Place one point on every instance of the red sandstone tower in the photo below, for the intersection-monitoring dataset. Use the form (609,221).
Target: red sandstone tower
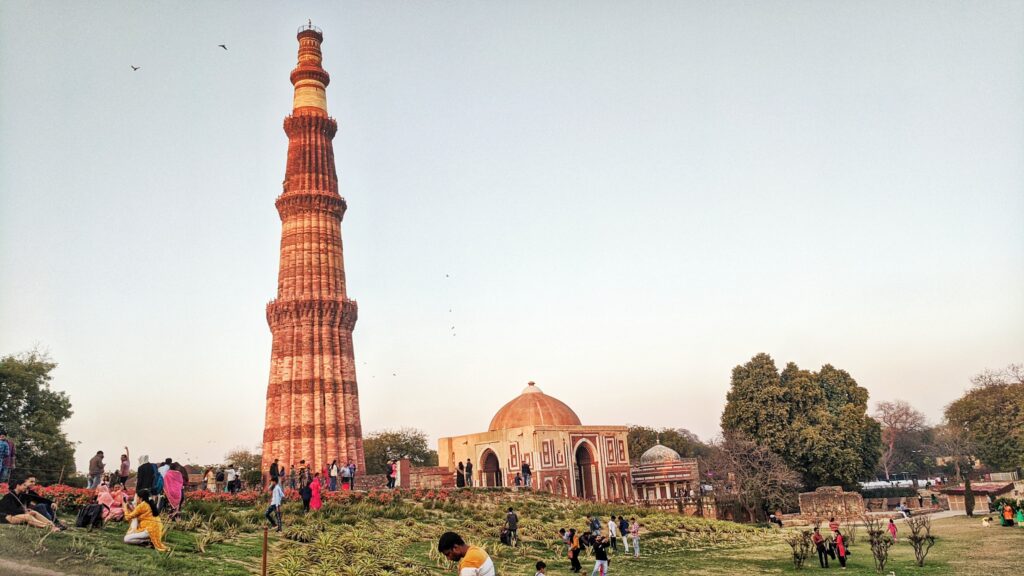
(312,397)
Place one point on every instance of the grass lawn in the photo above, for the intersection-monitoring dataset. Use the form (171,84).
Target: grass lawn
(371,537)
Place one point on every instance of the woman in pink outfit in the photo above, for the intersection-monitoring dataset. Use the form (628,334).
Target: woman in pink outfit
(116,513)
(315,486)
(892,530)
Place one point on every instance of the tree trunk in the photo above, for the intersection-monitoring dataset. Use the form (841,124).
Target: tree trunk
(968,498)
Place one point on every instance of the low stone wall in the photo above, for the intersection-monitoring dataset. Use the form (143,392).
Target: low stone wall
(371,481)
(830,501)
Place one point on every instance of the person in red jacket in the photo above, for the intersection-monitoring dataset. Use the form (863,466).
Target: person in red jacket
(840,549)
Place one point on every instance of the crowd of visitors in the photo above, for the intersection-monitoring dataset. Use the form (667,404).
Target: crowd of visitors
(834,547)
(576,542)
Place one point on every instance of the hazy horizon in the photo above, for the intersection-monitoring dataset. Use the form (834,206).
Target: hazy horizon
(620,202)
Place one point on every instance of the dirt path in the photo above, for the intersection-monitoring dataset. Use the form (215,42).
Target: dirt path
(15,569)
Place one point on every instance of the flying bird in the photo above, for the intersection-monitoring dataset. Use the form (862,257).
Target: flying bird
(135,68)
(222,46)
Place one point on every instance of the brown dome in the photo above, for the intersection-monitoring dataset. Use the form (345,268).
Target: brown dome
(534,408)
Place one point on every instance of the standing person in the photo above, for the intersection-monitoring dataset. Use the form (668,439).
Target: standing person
(600,546)
(840,549)
(634,532)
(333,471)
(612,526)
(390,469)
(819,545)
(352,475)
(211,480)
(292,477)
(833,525)
(315,503)
(460,476)
(512,523)
(892,530)
(232,476)
(306,493)
(4,454)
(1020,517)
(125,469)
(595,525)
(275,470)
(473,561)
(95,470)
(920,500)
(527,474)
(1007,515)
(574,551)
(276,498)
(346,475)
(517,481)
(303,473)
(165,466)
(624,532)
(469,473)
(565,539)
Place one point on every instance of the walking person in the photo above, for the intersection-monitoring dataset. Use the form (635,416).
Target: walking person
(527,474)
(612,529)
(819,545)
(95,471)
(600,545)
(469,473)
(315,486)
(624,532)
(276,498)
(634,532)
(473,561)
(512,524)
(574,551)
(840,549)
(892,530)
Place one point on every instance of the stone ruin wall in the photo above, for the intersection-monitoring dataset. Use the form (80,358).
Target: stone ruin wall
(830,501)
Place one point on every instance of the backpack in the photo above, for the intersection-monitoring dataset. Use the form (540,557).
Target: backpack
(220,476)
(90,517)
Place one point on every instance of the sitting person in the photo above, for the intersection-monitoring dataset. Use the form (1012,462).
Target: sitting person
(145,526)
(15,506)
(44,506)
(116,512)
(986,522)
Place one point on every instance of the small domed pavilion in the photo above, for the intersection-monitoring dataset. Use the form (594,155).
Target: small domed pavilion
(565,457)
(663,475)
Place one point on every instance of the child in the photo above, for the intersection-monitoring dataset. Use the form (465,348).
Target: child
(542,568)
(892,530)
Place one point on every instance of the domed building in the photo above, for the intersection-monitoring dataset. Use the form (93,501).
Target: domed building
(664,479)
(564,456)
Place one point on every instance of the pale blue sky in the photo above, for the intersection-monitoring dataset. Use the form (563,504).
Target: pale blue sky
(630,198)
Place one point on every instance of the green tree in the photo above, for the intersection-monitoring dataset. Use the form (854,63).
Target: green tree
(816,421)
(384,445)
(686,443)
(32,415)
(992,414)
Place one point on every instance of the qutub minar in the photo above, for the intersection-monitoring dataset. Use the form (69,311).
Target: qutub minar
(312,397)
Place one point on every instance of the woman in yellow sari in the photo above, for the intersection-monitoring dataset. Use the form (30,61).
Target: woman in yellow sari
(145,526)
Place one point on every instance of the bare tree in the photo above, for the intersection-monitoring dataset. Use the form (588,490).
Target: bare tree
(898,419)
(758,477)
(954,444)
(880,540)
(920,536)
(1012,374)
(801,544)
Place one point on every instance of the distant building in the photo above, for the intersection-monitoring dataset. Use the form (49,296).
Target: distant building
(665,480)
(565,457)
(984,494)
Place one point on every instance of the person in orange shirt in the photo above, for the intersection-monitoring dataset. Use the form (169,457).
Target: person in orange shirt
(1008,515)
(473,561)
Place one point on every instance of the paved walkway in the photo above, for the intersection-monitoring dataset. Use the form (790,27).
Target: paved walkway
(15,569)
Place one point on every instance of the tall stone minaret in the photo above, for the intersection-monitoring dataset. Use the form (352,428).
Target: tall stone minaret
(312,397)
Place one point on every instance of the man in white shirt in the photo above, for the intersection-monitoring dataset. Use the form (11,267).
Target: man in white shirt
(164,467)
(612,529)
(232,477)
(276,498)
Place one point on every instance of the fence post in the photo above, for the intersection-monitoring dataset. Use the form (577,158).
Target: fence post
(264,572)
(61,479)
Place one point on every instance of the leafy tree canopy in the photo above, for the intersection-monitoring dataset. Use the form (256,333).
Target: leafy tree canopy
(32,415)
(384,445)
(686,443)
(816,421)
(992,414)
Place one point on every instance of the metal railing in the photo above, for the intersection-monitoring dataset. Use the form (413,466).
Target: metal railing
(309,26)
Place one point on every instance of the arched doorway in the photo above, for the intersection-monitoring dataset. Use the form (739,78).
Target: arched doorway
(490,469)
(561,487)
(549,487)
(625,488)
(611,488)
(585,479)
